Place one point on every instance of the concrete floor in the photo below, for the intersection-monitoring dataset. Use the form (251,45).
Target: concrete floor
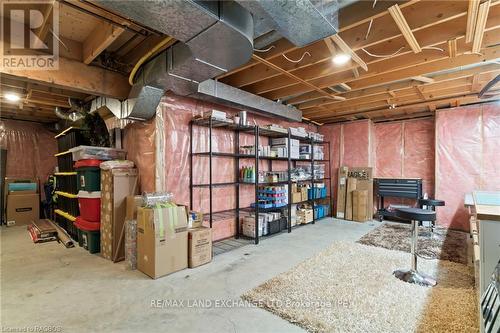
(70,289)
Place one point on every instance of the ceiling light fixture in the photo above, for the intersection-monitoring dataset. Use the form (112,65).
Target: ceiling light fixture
(341,59)
(11,97)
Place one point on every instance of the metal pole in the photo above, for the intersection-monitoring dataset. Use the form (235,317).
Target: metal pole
(237,180)
(312,183)
(191,166)
(414,235)
(289,219)
(210,166)
(256,132)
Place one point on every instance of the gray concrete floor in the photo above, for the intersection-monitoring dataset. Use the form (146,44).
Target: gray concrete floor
(74,291)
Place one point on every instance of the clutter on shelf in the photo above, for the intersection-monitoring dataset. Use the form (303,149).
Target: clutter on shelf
(272,196)
(269,223)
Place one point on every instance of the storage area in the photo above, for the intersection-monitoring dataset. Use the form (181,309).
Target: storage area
(250,166)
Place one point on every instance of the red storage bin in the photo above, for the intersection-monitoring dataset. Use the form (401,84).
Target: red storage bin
(90,205)
(83,224)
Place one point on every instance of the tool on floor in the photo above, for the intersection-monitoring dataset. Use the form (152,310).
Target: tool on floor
(415,215)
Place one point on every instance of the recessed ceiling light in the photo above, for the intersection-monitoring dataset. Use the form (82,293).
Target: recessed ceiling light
(341,59)
(11,97)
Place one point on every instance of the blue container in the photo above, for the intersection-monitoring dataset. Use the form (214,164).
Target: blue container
(22,187)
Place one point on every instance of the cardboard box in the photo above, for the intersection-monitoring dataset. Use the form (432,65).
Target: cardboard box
(199,246)
(304,216)
(351,186)
(364,181)
(359,205)
(133,203)
(296,197)
(303,193)
(162,244)
(23,208)
(195,219)
(341,192)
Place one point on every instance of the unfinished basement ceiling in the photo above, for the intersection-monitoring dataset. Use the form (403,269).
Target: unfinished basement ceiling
(398,82)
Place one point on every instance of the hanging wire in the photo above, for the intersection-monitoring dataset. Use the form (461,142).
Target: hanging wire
(297,61)
(369,29)
(432,48)
(383,55)
(265,50)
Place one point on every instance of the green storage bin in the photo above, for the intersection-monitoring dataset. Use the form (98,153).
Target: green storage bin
(80,237)
(91,241)
(89,175)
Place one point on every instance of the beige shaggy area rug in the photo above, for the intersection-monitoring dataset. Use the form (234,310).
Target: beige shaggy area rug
(349,287)
(444,244)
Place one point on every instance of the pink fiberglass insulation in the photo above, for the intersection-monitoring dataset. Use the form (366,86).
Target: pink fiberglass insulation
(490,176)
(419,156)
(176,113)
(139,142)
(30,149)
(458,167)
(356,144)
(388,149)
(332,134)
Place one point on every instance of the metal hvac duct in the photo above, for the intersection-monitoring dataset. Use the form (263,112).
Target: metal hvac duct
(214,37)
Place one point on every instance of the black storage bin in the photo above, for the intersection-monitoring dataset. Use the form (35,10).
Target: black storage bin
(68,205)
(65,162)
(273,227)
(67,183)
(70,139)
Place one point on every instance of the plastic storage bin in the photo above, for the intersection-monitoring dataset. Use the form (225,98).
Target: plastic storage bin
(89,175)
(90,234)
(90,205)
(97,153)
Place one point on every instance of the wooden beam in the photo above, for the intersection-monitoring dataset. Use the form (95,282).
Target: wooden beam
(421,94)
(471,19)
(363,11)
(423,79)
(452,48)
(482,17)
(355,72)
(345,48)
(296,78)
(76,76)
(99,39)
(43,29)
(405,29)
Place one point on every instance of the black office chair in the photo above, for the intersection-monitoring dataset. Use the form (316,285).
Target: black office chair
(415,215)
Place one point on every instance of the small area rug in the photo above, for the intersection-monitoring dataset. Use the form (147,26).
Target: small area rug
(349,287)
(444,244)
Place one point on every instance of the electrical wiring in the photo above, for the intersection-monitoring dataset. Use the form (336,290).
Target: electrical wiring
(265,50)
(146,57)
(383,55)
(432,48)
(297,61)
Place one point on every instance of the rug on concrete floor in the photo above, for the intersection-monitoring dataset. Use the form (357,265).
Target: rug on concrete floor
(444,244)
(349,287)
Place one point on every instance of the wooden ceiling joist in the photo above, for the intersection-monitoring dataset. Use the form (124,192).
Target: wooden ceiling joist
(452,48)
(271,65)
(482,17)
(471,19)
(405,29)
(422,78)
(101,37)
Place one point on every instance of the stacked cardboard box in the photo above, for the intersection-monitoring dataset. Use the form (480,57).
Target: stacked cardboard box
(304,215)
(299,193)
(355,194)
(199,246)
(162,242)
(22,205)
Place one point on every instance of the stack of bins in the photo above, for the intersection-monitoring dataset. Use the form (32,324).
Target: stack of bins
(66,180)
(89,200)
